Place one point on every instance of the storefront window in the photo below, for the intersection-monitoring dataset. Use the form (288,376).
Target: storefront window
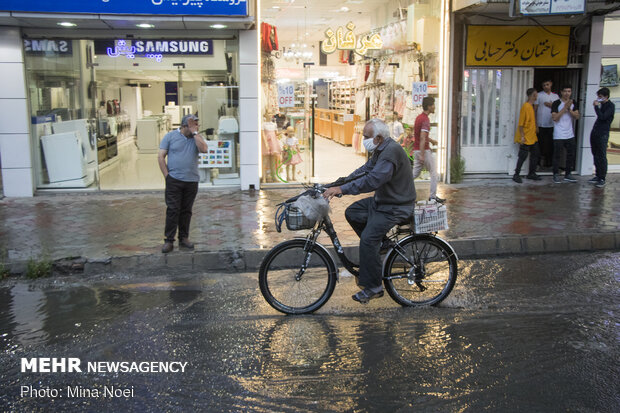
(609,79)
(62,117)
(377,64)
(100,109)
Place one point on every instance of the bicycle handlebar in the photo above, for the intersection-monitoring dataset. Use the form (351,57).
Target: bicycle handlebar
(318,189)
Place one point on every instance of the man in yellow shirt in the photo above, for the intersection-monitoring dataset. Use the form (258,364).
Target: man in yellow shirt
(527,139)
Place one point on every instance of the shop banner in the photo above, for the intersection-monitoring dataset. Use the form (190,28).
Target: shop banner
(286,96)
(517,45)
(419,91)
(175,7)
(540,7)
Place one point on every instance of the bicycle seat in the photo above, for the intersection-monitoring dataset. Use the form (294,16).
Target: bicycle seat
(405,226)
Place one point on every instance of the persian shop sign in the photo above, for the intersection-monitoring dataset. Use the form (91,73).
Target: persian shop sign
(517,45)
(175,7)
(542,7)
(340,40)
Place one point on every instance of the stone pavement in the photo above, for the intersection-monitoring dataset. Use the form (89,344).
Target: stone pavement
(98,232)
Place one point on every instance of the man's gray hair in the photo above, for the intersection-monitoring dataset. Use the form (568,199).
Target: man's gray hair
(379,128)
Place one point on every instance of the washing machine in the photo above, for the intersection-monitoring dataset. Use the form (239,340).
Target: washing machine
(65,160)
(83,128)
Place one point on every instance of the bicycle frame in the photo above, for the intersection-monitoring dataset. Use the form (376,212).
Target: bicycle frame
(327,226)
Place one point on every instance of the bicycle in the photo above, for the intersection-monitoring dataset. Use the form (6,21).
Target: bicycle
(298,276)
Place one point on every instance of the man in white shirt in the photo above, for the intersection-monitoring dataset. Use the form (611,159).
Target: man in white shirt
(397,128)
(563,112)
(544,122)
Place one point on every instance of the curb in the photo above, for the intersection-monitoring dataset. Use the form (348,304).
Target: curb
(250,260)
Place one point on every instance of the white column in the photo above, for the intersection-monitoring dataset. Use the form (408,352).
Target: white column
(15,152)
(592,85)
(249,136)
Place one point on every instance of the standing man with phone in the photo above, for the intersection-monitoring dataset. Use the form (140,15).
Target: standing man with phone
(599,137)
(181,146)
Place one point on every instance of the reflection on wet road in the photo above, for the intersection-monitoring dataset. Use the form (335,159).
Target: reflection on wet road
(517,334)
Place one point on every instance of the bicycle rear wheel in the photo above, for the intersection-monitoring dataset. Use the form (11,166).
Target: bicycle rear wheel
(295,279)
(420,270)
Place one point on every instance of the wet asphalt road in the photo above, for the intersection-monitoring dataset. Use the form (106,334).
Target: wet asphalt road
(525,334)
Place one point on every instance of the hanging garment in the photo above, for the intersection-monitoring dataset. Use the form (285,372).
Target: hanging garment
(269,37)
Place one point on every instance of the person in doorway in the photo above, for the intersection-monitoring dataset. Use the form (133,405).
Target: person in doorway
(525,136)
(181,146)
(422,154)
(599,137)
(563,112)
(397,127)
(388,174)
(542,107)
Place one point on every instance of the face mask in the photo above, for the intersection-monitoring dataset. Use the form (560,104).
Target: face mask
(369,144)
(600,99)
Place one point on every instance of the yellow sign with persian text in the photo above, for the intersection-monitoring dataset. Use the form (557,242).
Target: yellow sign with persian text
(517,45)
(341,40)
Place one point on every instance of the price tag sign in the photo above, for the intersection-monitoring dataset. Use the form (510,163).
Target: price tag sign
(419,91)
(286,96)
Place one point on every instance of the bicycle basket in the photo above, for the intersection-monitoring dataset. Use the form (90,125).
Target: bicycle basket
(294,217)
(430,218)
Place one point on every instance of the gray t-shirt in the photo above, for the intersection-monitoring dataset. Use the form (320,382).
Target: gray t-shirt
(182,156)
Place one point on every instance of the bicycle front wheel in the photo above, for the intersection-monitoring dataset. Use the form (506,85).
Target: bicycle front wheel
(420,270)
(295,278)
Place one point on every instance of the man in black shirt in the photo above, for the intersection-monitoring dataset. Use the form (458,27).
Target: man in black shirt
(599,136)
(388,173)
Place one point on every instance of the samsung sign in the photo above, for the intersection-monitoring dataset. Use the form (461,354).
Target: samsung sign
(175,7)
(48,46)
(140,48)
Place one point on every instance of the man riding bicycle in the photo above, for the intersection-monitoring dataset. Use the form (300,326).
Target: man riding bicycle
(388,173)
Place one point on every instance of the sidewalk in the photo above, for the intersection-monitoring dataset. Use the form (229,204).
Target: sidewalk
(233,230)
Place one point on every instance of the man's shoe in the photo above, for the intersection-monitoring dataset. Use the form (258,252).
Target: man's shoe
(366,295)
(168,246)
(594,180)
(184,243)
(600,183)
(517,179)
(437,199)
(534,177)
(570,178)
(556,179)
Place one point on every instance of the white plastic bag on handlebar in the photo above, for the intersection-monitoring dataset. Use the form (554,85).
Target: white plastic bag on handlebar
(313,208)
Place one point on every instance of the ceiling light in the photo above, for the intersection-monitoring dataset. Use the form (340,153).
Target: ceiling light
(276,7)
(145,26)
(67,24)
(218,26)
(344,8)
